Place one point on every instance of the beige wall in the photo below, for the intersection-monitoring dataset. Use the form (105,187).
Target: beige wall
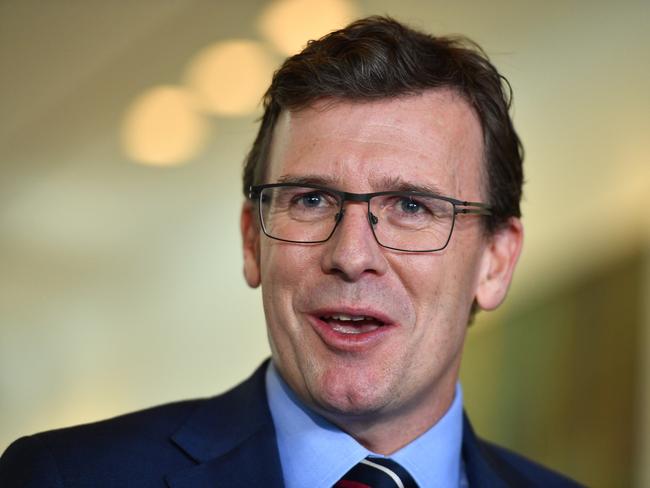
(120,283)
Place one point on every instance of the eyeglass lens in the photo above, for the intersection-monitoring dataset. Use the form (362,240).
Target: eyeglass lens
(401,220)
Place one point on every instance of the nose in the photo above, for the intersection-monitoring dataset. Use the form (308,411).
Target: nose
(353,251)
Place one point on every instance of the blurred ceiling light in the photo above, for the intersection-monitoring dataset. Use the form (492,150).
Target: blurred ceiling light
(289,24)
(230,77)
(162,127)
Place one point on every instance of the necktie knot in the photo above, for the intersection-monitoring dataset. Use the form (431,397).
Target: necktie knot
(374,472)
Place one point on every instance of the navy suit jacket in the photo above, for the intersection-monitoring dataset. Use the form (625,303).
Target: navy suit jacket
(225,441)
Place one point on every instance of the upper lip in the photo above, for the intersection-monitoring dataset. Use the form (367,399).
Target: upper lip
(354,313)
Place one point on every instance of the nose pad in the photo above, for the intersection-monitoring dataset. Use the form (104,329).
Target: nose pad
(354,252)
(371,218)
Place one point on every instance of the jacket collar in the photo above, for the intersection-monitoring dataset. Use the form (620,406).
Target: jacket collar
(232,439)
(482,466)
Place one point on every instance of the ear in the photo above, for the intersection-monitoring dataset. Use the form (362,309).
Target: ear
(498,264)
(250,233)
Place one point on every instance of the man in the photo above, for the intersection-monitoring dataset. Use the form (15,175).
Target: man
(381,212)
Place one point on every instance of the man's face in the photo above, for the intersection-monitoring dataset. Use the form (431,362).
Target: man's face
(416,304)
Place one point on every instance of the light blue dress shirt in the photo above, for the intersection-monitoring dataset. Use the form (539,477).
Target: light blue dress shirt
(315,453)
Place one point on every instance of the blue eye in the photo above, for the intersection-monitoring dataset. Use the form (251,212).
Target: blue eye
(408,205)
(311,199)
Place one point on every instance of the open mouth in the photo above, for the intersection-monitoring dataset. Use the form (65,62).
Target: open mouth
(352,324)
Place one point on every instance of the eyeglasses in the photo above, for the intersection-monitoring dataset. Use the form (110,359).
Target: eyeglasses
(407,221)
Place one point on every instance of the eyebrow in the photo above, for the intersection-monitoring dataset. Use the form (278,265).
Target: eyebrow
(309,180)
(386,183)
(396,183)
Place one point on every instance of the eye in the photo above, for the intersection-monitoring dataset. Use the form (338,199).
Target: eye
(413,207)
(410,206)
(311,200)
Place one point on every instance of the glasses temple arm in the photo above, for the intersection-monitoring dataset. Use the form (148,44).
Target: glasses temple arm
(473,208)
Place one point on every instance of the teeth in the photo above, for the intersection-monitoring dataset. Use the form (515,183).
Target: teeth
(350,329)
(352,324)
(353,318)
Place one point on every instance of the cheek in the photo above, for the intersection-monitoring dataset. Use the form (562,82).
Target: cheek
(441,288)
(284,266)
(276,279)
(284,273)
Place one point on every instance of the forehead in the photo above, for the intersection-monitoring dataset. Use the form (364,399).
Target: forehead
(433,138)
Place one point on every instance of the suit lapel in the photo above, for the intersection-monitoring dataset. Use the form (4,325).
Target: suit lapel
(232,439)
(482,467)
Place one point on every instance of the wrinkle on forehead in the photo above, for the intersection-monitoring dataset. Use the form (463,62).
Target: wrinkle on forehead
(377,183)
(438,134)
(391,110)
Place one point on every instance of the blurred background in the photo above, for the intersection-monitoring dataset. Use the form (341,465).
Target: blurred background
(122,135)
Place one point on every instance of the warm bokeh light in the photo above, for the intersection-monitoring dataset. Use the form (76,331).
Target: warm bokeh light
(162,127)
(230,77)
(289,24)
(121,285)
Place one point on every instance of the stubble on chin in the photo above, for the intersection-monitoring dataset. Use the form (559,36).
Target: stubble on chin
(345,390)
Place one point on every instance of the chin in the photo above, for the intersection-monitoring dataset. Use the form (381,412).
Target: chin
(352,394)
(339,407)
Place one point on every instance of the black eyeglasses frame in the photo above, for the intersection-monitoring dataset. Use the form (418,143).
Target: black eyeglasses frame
(460,207)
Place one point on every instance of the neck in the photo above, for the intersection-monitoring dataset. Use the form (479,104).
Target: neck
(387,432)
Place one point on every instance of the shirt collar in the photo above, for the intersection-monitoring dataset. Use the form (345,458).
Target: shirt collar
(316,453)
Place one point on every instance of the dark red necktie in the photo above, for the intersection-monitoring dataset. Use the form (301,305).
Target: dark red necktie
(377,473)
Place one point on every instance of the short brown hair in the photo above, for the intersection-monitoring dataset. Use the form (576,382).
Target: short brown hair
(377,58)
